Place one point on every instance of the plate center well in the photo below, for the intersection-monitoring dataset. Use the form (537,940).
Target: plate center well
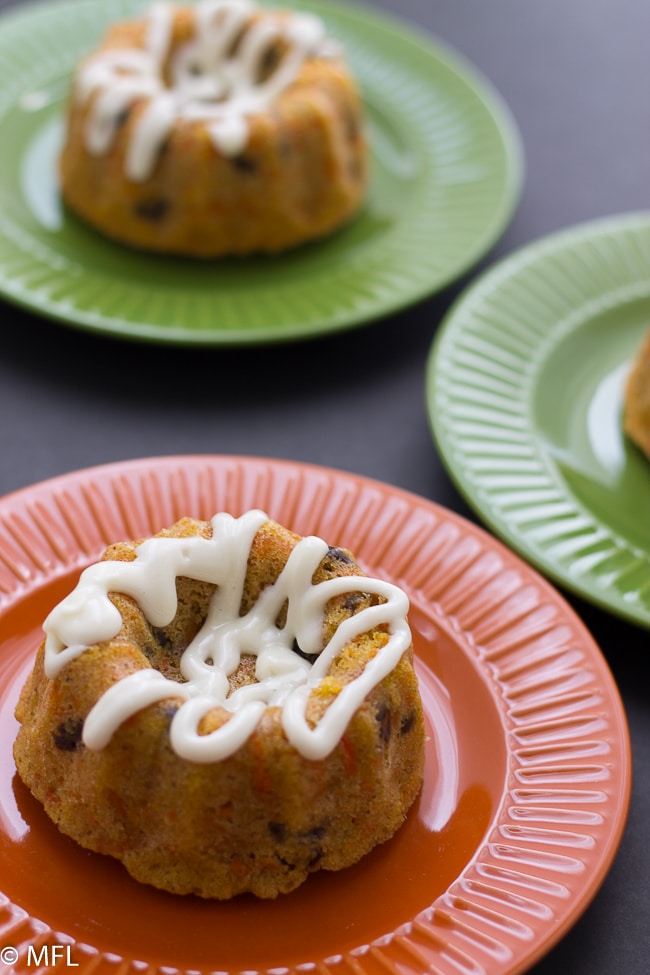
(98,904)
(578,412)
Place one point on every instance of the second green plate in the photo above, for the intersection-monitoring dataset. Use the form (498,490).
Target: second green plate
(525,390)
(446,174)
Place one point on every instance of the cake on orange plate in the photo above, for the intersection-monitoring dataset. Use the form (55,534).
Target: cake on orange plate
(225,707)
(217,129)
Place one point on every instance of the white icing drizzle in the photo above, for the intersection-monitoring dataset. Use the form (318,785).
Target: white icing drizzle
(283,678)
(207,83)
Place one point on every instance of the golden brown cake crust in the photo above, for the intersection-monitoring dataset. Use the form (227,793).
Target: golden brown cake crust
(636,416)
(302,174)
(260,820)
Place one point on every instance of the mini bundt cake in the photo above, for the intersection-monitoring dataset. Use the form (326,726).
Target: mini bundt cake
(636,411)
(225,707)
(216,129)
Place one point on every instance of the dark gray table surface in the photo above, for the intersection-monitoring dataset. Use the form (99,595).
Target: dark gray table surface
(576,75)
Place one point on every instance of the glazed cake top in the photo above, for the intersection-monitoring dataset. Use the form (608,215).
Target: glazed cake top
(217,78)
(283,677)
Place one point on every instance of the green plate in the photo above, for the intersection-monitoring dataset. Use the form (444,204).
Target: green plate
(446,175)
(525,390)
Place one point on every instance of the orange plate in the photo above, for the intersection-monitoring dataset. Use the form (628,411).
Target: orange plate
(528,773)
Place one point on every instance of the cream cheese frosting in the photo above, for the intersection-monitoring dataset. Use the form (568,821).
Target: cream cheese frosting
(209,82)
(283,677)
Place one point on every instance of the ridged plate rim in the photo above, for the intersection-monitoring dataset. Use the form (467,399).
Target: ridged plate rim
(552,288)
(555,833)
(457,180)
